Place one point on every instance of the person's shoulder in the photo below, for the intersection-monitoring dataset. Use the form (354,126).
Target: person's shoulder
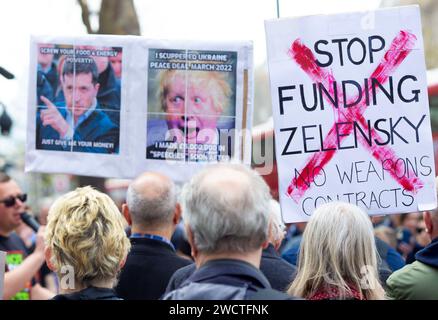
(276,263)
(404,274)
(99,121)
(13,242)
(270,294)
(182,262)
(89,293)
(157,129)
(414,277)
(179,276)
(100,115)
(185,271)
(221,291)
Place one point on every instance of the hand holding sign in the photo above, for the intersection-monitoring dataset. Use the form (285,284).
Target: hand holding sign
(52,117)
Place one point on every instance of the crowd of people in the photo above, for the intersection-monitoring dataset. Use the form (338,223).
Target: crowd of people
(221,237)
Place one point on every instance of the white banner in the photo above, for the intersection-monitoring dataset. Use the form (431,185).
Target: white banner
(351,112)
(115,106)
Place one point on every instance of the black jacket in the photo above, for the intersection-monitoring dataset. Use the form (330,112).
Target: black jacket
(278,272)
(90,293)
(148,268)
(226,279)
(429,255)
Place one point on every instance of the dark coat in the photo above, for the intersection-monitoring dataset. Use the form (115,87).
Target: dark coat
(90,293)
(226,279)
(148,268)
(278,272)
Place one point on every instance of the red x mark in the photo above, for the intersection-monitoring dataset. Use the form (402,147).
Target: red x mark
(400,47)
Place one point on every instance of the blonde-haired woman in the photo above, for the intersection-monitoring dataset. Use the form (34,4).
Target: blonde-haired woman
(338,256)
(86,244)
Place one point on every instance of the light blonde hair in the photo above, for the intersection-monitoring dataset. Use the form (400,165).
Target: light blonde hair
(338,251)
(215,83)
(85,231)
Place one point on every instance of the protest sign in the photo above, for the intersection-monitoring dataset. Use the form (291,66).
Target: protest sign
(81,81)
(351,112)
(199,105)
(114,106)
(77,107)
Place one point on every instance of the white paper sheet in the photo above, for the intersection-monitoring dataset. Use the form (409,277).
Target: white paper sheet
(351,112)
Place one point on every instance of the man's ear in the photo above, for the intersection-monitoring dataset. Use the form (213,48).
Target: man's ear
(48,257)
(265,244)
(177,214)
(270,236)
(428,222)
(270,231)
(191,240)
(126,214)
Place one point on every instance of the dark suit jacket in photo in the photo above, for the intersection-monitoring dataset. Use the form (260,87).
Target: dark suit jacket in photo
(97,134)
(148,268)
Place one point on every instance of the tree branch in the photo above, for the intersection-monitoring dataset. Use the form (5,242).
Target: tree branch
(86,15)
(118,17)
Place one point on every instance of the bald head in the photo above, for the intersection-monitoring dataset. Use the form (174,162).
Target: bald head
(230,184)
(151,199)
(227,209)
(151,184)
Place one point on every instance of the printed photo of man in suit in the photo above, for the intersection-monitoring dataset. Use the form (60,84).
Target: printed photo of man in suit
(78,124)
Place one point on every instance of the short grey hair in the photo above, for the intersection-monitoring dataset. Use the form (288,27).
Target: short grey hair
(226,206)
(152,209)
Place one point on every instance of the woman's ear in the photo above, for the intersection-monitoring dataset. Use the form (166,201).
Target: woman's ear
(48,257)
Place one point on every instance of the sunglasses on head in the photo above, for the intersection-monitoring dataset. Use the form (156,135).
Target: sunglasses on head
(10,201)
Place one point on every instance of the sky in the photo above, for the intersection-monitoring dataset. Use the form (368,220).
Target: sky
(163,19)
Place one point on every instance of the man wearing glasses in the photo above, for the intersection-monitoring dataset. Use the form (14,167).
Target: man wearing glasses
(21,267)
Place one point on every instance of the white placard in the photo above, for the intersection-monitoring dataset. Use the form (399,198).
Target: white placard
(115,106)
(351,112)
